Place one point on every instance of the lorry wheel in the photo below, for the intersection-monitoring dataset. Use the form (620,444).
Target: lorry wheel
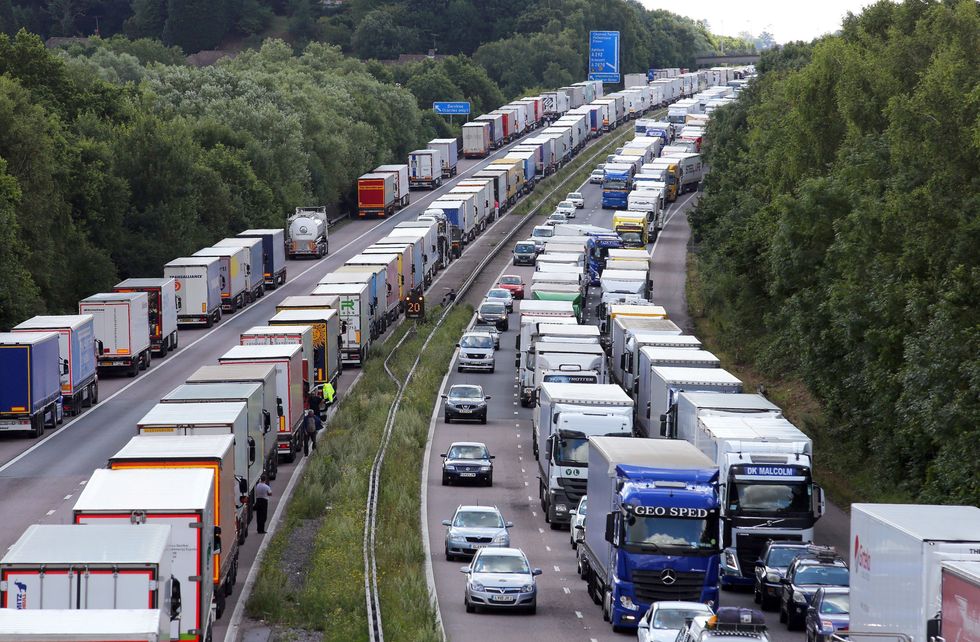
(134,369)
(219,598)
(207,636)
(606,604)
(94,393)
(242,534)
(37,426)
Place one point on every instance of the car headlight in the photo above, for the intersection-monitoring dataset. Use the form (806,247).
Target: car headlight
(772,578)
(453,537)
(476,586)
(501,538)
(799,598)
(527,588)
(485,469)
(627,603)
(450,467)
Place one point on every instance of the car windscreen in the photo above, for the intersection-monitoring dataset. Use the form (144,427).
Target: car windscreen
(498,294)
(478,519)
(524,248)
(822,575)
(514,280)
(574,195)
(465,392)
(493,308)
(543,232)
(781,557)
(676,618)
(476,341)
(467,452)
(500,564)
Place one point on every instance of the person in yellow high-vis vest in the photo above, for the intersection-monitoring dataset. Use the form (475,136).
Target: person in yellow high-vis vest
(328,393)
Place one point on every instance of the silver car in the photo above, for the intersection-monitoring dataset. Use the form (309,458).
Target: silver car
(500,578)
(567,208)
(503,296)
(576,535)
(473,528)
(664,620)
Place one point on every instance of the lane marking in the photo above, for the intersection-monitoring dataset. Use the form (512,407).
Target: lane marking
(67,497)
(541,530)
(51,512)
(533,514)
(578,614)
(557,570)
(547,548)
(567,590)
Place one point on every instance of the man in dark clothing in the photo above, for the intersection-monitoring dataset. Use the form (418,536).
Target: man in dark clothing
(309,431)
(315,401)
(262,494)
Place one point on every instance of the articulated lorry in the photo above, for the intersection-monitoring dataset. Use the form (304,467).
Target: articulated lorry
(897,556)
(354,309)
(617,182)
(568,414)
(268,335)
(198,286)
(658,387)
(653,526)
(448,149)
(273,255)
(162,314)
(766,468)
(425,168)
(255,266)
(182,499)
(77,350)
(307,231)
(326,363)
(625,344)
(96,625)
(551,359)
(122,329)
(234,275)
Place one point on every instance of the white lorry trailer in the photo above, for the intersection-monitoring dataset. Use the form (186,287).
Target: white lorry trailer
(552,359)
(182,499)
(355,319)
(96,625)
(162,300)
(198,283)
(234,284)
(122,329)
(254,268)
(897,556)
(567,415)
(625,347)
(659,385)
(425,168)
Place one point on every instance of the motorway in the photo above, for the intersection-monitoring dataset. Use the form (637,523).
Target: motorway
(565,611)
(41,479)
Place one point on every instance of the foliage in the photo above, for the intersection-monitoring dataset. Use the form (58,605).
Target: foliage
(839,233)
(112,168)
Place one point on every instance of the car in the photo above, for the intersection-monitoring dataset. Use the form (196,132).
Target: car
(493,312)
(465,401)
(502,295)
(473,529)
(596,176)
(500,578)
(539,234)
(576,535)
(829,613)
(490,329)
(526,252)
(770,569)
(467,461)
(567,208)
(728,624)
(820,566)
(476,352)
(513,283)
(556,218)
(576,199)
(664,620)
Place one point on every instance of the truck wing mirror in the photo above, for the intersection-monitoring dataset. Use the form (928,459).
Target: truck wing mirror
(266,421)
(610,527)
(251,450)
(242,488)
(174,598)
(443,455)
(217,540)
(622,361)
(446,522)
(279,409)
(663,425)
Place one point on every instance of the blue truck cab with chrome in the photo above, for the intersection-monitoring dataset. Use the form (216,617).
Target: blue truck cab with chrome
(617,181)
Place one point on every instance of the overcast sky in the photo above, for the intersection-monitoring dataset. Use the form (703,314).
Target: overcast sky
(786,20)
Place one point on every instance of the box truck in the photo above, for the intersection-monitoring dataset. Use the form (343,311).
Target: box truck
(326,336)
(234,286)
(960,601)
(288,360)
(77,352)
(355,319)
(377,194)
(498,136)
(658,386)
(94,567)
(122,329)
(267,335)
(273,255)
(568,414)
(897,557)
(639,490)
(215,454)
(625,348)
(425,168)
(400,172)
(254,269)
(162,301)
(476,139)
(198,287)
(97,625)
(182,499)
(448,149)
(263,374)
(375,278)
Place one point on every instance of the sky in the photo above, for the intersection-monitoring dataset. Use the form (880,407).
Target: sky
(786,20)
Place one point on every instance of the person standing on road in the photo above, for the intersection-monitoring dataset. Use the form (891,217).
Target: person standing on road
(315,401)
(262,494)
(328,393)
(309,431)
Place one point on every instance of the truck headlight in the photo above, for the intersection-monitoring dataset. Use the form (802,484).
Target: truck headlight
(627,603)
(772,578)
(799,598)
(561,508)
(731,560)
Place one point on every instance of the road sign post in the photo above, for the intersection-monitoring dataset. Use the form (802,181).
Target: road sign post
(604,56)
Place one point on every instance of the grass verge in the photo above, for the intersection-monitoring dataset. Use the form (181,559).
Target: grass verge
(835,468)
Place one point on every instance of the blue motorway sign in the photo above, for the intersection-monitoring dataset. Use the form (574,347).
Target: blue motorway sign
(451,108)
(604,56)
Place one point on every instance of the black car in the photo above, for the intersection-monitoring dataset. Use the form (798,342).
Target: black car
(495,313)
(467,461)
(770,569)
(466,401)
(810,571)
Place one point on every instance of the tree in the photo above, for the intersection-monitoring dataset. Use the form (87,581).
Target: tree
(148,19)
(194,25)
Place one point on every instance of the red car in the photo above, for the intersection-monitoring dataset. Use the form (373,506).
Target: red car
(513,284)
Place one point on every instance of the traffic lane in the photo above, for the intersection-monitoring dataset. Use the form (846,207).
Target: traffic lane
(669,263)
(565,611)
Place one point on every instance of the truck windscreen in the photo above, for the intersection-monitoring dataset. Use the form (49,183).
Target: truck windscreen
(662,533)
(615,184)
(769,498)
(572,451)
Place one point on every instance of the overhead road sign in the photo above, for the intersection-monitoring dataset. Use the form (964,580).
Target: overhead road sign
(451,108)
(604,56)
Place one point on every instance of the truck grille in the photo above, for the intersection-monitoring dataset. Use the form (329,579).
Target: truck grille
(668,584)
(749,547)
(574,488)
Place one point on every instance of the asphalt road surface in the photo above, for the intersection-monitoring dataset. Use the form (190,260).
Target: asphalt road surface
(40,479)
(565,612)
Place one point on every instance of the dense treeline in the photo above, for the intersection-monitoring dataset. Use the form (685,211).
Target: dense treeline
(839,239)
(113,162)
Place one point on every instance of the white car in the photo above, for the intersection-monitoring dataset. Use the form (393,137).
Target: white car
(556,218)
(576,199)
(567,208)
(596,176)
(576,535)
(664,620)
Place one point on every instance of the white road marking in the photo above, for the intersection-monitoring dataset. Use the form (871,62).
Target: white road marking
(51,512)
(526,484)
(547,548)
(533,514)
(67,497)
(522,470)
(557,570)
(578,614)
(567,590)
(529,498)
(519,446)
(83,483)
(541,530)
